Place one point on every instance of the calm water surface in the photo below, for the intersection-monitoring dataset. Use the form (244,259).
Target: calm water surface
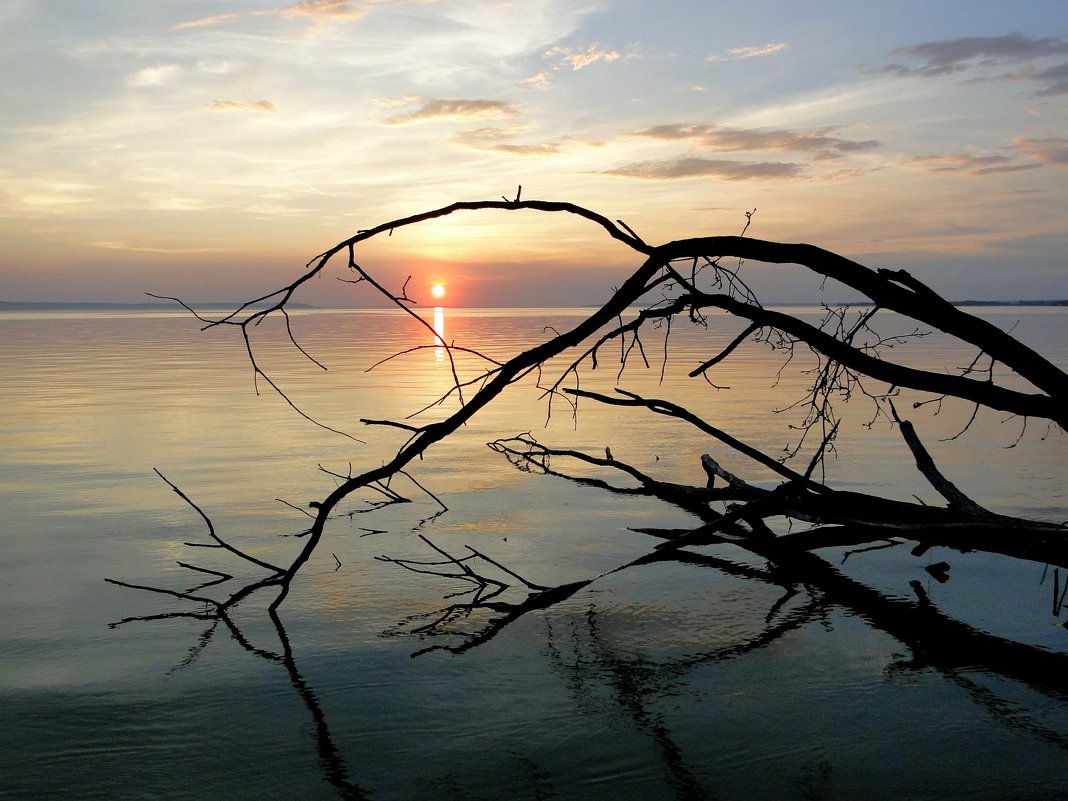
(670,680)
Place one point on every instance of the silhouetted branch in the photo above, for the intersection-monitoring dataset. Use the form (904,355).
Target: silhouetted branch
(211,529)
(686,278)
(785,526)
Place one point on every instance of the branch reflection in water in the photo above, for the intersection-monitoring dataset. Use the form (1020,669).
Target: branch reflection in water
(333,766)
(586,650)
(639,684)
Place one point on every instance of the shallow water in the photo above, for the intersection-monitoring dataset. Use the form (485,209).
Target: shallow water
(668,680)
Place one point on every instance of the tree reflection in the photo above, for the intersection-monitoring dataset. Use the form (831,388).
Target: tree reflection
(638,683)
(331,762)
(685,280)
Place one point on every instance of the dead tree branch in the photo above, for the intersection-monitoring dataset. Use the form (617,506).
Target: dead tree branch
(685,277)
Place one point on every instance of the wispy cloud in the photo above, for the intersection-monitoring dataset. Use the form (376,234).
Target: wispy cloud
(718,137)
(973,165)
(317,8)
(1054,80)
(539,80)
(490,134)
(579,59)
(542,149)
(727,170)
(155,76)
(455,110)
(243,105)
(741,53)
(567,58)
(108,244)
(495,140)
(47,200)
(1052,151)
(215,66)
(207,22)
(396,102)
(956,56)
(956,230)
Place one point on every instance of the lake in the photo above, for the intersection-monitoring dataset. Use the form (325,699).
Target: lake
(680,679)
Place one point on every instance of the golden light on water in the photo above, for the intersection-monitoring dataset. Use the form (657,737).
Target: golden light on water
(439,332)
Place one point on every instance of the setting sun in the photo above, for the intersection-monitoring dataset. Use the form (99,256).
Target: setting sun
(438,290)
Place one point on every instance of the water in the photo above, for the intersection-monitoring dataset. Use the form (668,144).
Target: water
(669,680)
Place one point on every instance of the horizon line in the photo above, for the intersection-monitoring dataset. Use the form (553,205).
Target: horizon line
(60,305)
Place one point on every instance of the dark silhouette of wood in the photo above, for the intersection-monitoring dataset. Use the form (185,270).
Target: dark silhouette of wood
(683,278)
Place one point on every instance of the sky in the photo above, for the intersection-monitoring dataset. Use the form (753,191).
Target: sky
(210,149)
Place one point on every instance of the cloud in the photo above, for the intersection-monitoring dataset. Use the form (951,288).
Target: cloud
(317,8)
(740,53)
(974,165)
(1054,78)
(539,80)
(395,102)
(564,57)
(243,105)
(42,194)
(579,59)
(154,76)
(321,10)
(107,244)
(719,137)
(957,230)
(205,22)
(545,149)
(954,56)
(699,168)
(490,134)
(45,200)
(215,66)
(455,110)
(493,140)
(1052,151)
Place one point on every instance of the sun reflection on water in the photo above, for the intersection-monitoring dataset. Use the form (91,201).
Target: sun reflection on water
(439,333)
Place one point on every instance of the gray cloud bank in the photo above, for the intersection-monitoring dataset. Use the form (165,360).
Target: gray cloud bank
(956,56)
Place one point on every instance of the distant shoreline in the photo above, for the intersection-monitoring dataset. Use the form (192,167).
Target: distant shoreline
(30,306)
(1010,303)
(36,305)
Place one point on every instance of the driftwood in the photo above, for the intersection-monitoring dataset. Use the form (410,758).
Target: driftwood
(685,278)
